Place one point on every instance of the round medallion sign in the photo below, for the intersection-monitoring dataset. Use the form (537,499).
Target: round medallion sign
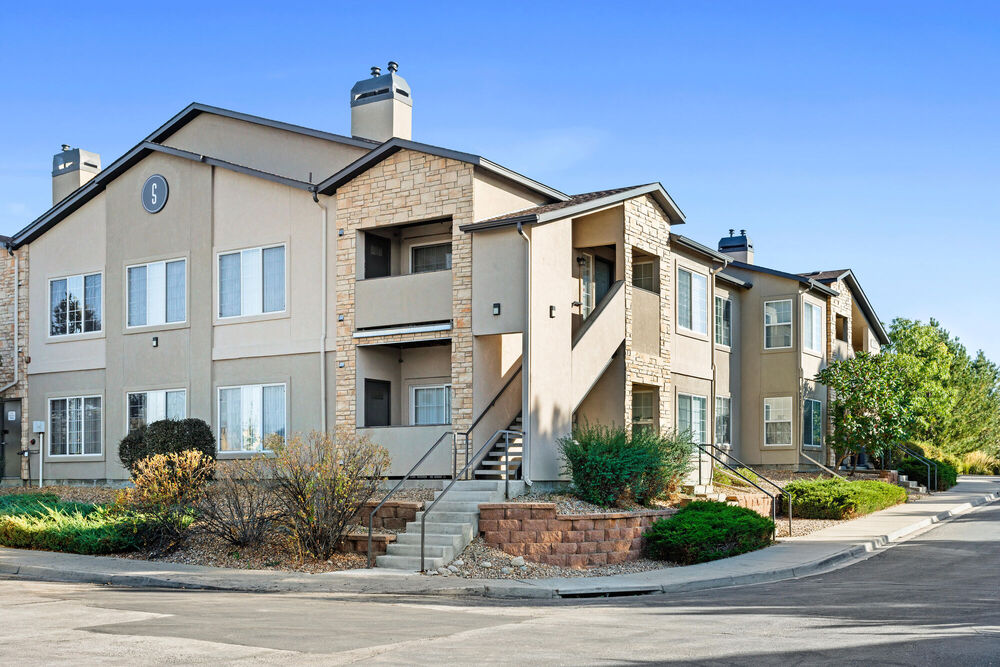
(154,193)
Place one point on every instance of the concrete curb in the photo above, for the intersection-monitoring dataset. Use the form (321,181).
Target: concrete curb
(526,589)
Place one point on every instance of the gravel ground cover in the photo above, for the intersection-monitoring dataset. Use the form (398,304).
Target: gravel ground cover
(569,504)
(74,493)
(409,495)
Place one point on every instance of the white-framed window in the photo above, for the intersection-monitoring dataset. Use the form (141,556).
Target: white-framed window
(644,274)
(430,404)
(252,281)
(812,423)
(723,321)
(249,414)
(723,420)
(643,409)
(75,426)
(145,407)
(75,305)
(777,324)
(587,285)
(156,293)
(812,327)
(778,421)
(430,257)
(692,301)
(691,415)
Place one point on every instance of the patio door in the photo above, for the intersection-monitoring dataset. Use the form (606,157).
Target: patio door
(377,403)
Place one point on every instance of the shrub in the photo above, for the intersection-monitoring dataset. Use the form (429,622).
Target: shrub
(166,436)
(40,521)
(727,478)
(704,531)
(947,474)
(610,466)
(239,506)
(931,451)
(835,498)
(321,482)
(980,463)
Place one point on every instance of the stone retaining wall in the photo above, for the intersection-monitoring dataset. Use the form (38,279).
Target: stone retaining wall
(392,516)
(758,503)
(535,531)
(357,543)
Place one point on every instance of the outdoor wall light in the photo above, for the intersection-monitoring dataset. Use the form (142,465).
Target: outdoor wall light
(552,311)
(340,232)
(156,341)
(496,308)
(340,318)
(341,364)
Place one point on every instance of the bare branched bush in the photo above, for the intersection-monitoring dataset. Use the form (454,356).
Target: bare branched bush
(240,506)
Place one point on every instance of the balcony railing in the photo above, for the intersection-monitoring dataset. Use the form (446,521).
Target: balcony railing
(407,299)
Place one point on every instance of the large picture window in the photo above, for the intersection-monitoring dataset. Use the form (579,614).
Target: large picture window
(75,426)
(436,257)
(75,305)
(812,423)
(157,293)
(252,282)
(692,301)
(146,407)
(812,327)
(691,416)
(430,405)
(723,420)
(778,421)
(777,324)
(723,321)
(249,414)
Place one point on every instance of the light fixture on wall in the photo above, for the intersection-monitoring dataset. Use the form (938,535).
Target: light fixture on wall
(340,232)
(552,311)
(496,308)
(156,341)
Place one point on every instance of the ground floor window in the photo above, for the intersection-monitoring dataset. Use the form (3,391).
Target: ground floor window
(691,416)
(723,420)
(643,409)
(778,421)
(146,407)
(812,423)
(75,426)
(430,404)
(249,414)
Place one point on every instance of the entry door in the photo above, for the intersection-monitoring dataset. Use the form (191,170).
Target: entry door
(376,256)
(604,272)
(377,403)
(11,438)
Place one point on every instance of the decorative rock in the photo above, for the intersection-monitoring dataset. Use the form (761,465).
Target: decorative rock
(505,570)
(517,561)
(486,563)
(452,568)
(443,570)
(458,563)
(524,568)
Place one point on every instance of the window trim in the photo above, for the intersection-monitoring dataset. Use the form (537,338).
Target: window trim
(812,416)
(96,456)
(413,403)
(130,392)
(690,331)
(704,412)
(179,324)
(652,262)
(806,305)
(791,422)
(223,453)
(727,301)
(790,324)
(82,335)
(652,421)
(414,246)
(271,314)
(715,419)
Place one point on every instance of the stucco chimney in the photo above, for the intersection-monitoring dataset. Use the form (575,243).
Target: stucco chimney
(739,247)
(71,168)
(381,106)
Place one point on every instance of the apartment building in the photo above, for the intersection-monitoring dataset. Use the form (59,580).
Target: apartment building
(270,278)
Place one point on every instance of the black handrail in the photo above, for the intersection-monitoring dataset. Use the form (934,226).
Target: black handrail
(774,500)
(759,476)
(371,517)
(423,519)
(475,422)
(926,461)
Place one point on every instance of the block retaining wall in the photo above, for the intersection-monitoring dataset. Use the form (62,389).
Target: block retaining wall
(357,543)
(392,516)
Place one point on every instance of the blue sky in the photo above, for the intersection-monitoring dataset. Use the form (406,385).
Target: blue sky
(840,134)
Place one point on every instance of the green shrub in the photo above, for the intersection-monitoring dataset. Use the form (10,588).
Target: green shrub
(609,466)
(167,436)
(947,474)
(980,463)
(835,498)
(704,531)
(728,478)
(40,521)
(931,451)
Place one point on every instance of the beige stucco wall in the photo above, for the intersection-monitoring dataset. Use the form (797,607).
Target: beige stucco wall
(498,276)
(405,299)
(493,196)
(605,404)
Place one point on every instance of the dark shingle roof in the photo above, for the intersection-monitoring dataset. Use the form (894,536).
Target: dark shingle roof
(825,276)
(555,206)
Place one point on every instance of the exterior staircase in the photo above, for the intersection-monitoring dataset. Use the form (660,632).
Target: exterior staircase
(452,524)
(911,485)
(494,466)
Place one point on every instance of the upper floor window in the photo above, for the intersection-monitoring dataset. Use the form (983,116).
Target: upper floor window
(157,293)
(146,407)
(434,257)
(723,321)
(692,301)
(723,420)
(249,414)
(777,324)
(812,327)
(430,404)
(644,275)
(812,423)
(75,426)
(778,421)
(75,305)
(842,328)
(252,281)
(691,416)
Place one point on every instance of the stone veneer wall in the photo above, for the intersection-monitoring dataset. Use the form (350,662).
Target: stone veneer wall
(836,305)
(8,354)
(535,531)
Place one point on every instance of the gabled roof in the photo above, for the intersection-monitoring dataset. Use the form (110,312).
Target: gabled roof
(579,205)
(847,275)
(394,145)
(809,282)
(704,250)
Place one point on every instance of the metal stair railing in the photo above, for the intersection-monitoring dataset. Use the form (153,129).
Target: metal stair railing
(832,472)
(507,433)
(781,490)
(475,422)
(371,517)
(925,461)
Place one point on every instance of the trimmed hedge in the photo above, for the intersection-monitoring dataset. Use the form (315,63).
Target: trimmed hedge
(41,521)
(167,436)
(835,498)
(947,474)
(704,530)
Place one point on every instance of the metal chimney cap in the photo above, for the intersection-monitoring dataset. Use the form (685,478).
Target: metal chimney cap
(66,147)
(393,66)
(376,70)
(732,232)
(388,86)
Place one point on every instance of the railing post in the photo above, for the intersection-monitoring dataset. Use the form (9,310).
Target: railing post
(506,465)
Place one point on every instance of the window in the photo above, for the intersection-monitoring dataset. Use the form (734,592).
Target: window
(249,414)
(75,426)
(691,416)
(252,282)
(435,257)
(812,423)
(157,293)
(777,324)
(812,327)
(842,328)
(723,420)
(692,307)
(430,405)
(778,421)
(643,409)
(146,407)
(723,321)
(644,275)
(75,305)
(586,284)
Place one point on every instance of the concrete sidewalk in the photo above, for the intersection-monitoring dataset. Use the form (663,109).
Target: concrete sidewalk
(796,557)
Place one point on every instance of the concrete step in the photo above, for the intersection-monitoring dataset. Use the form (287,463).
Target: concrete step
(697,489)
(430,550)
(903,478)
(454,541)
(449,517)
(468,496)
(492,473)
(474,485)
(411,563)
(488,464)
(451,505)
(441,528)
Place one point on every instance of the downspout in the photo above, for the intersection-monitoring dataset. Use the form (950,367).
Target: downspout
(17,292)
(526,361)
(711,346)
(323,310)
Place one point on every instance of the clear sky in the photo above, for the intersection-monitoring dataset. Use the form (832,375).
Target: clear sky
(840,134)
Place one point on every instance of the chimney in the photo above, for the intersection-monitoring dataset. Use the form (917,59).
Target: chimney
(381,106)
(71,168)
(739,247)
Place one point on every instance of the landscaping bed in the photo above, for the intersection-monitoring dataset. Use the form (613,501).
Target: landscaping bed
(834,498)
(566,503)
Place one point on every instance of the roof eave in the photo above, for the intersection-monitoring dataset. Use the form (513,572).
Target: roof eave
(812,284)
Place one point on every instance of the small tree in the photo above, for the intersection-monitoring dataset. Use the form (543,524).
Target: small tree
(871,409)
(167,436)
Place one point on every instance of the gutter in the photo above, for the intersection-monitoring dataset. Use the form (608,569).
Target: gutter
(324,221)
(526,363)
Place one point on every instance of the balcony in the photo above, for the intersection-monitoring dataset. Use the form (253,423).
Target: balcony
(412,298)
